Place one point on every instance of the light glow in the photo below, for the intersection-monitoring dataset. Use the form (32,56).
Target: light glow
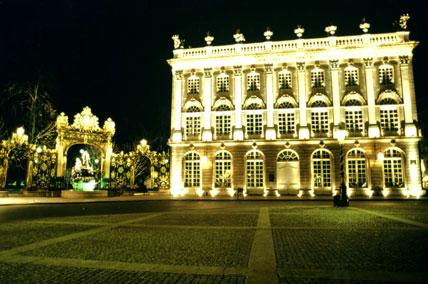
(199,192)
(369,192)
(277,193)
(214,192)
(380,156)
(385,192)
(265,193)
(300,193)
(244,193)
(231,192)
(312,192)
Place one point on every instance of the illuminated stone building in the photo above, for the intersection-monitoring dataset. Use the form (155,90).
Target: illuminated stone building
(264,116)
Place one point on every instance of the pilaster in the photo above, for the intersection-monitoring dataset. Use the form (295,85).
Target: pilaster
(177,135)
(207,89)
(373,126)
(410,128)
(301,81)
(238,133)
(334,70)
(270,130)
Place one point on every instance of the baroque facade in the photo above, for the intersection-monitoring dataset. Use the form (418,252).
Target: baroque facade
(265,116)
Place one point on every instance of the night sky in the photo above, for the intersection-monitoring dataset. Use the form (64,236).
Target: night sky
(111,55)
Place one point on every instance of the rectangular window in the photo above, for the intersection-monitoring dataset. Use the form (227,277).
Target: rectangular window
(254,124)
(319,121)
(255,173)
(223,125)
(385,75)
(223,171)
(284,80)
(193,85)
(192,174)
(286,123)
(193,125)
(322,176)
(222,84)
(317,79)
(393,173)
(253,82)
(351,77)
(354,121)
(389,119)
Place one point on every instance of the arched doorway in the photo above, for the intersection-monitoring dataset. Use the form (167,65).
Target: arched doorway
(288,171)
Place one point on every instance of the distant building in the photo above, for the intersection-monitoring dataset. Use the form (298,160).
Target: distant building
(264,116)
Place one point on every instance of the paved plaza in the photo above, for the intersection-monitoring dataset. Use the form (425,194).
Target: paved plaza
(234,242)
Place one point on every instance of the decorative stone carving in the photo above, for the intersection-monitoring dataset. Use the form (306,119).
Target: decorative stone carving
(177,41)
(403,21)
(179,75)
(238,36)
(209,38)
(268,33)
(334,64)
(268,68)
(364,26)
(109,126)
(331,30)
(299,31)
(254,145)
(237,70)
(368,62)
(404,60)
(301,66)
(208,72)
(61,121)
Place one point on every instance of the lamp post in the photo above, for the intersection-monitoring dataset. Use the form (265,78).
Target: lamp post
(341,134)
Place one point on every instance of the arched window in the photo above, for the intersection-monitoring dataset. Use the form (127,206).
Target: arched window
(284,80)
(286,105)
(319,103)
(287,155)
(255,169)
(357,168)
(254,106)
(393,168)
(321,168)
(193,85)
(353,102)
(253,81)
(386,74)
(388,101)
(192,170)
(223,107)
(222,83)
(351,76)
(317,76)
(223,169)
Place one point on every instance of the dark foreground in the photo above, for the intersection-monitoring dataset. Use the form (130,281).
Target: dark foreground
(215,242)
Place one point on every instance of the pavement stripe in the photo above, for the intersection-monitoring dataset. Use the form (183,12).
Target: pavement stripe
(347,228)
(382,276)
(402,220)
(127,266)
(7,253)
(262,263)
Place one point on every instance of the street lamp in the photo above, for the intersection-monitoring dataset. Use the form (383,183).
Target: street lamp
(341,134)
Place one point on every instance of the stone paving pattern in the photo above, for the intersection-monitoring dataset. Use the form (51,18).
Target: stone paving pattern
(306,238)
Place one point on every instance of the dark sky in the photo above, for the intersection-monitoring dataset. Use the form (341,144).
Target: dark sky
(111,55)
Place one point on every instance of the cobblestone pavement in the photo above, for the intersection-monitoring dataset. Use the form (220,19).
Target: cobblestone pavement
(307,244)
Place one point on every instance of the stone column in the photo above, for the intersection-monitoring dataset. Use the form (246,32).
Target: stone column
(177,92)
(334,70)
(238,134)
(373,126)
(301,81)
(410,128)
(270,130)
(107,160)
(60,156)
(207,89)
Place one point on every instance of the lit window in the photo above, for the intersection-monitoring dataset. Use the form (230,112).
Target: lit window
(223,125)
(254,106)
(357,169)
(389,119)
(319,103)
(321,163)
(287,156)
(192,170)
(223,169)
(393,168)
(222,83)
(285,105)
(253,82)
(254,169)
(351,76)
(352,102)
(388,101)
(386,75)
(193,85)
(223,107)
(284,80)
(193,125)
(354,120)
(317,78)
(286,123)
(193,109)
(319,121)
(254,123)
